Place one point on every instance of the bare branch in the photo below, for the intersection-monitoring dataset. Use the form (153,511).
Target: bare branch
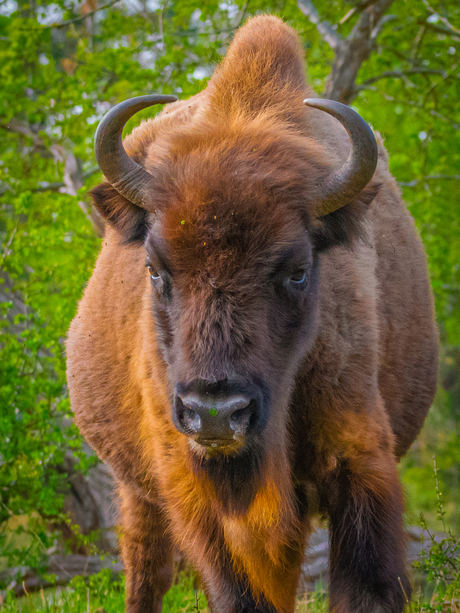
(25,580)
(379,27)
(447,76)
(415,182)
(48,187)
(324,27)
(359,8)
(57,187)
(64,24)
(19,127)
(73,176)
(400,74)
(439,29)
(443,19)
(418,41)
(242,15)
(354,50)
(454,125)
(370,19)
(4,187)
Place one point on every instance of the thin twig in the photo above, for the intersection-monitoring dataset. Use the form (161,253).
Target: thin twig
(64,24)
(443,19)
(379,27)
(242,15)
(439,29)
(415,182)
(443,80)
(19,128)
(324,27)
(399,74)
(6,249)
(359,8)
(55,187)
(417,41)
(454,125)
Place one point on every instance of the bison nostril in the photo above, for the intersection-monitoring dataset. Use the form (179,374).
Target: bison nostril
(191,420)
(240,419)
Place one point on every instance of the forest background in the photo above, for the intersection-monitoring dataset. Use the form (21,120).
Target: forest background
(63,64)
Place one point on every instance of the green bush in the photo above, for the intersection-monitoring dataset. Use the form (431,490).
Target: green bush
(440,562)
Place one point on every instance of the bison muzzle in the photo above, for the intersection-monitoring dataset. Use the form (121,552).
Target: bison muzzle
(257,342)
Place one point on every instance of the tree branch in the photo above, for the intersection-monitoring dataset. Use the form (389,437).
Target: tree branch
(324,27)
(454,125)
(63,153)
(19,128)
(354,51)
(379,27)
(399,74)
(64,24)
(350,53)
(414,182)
(448,25)
(56,187)
(242,15)
(439,29)
(359,8)
(447,76)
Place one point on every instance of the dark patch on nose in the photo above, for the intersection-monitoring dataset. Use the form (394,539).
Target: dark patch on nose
(216,415)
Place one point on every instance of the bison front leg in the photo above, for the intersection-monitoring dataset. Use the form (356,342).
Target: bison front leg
(147,553)
(367,564)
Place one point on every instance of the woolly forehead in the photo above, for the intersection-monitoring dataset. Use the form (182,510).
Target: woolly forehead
(227,243)
(261,162)
(224,238)
(234,202)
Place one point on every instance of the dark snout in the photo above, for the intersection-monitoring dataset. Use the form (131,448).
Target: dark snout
(217,414)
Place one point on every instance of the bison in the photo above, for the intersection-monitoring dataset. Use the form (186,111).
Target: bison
(257,342)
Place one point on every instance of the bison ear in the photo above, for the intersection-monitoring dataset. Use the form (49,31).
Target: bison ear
(346,224)
(128,219)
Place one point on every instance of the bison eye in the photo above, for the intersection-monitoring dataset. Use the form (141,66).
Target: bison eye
(298,277)
(154,274)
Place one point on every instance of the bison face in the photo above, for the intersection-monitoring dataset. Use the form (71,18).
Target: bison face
(235,295)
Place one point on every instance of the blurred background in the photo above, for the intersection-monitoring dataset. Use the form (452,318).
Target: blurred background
(63,64)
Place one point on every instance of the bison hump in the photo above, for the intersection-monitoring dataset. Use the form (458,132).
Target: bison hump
(262,71)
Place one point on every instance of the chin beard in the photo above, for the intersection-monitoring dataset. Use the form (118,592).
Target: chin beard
(236,477)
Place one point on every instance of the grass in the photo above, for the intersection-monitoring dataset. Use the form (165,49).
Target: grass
(101,593)
(104,593)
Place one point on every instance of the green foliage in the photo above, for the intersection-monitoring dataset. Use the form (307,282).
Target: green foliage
(441,563)
(439,436)
(43,244)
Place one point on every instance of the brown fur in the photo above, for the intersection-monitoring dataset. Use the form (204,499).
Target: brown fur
(347,365)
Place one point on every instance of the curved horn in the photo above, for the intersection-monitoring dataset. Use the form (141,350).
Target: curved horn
(346,183)
(127,177)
